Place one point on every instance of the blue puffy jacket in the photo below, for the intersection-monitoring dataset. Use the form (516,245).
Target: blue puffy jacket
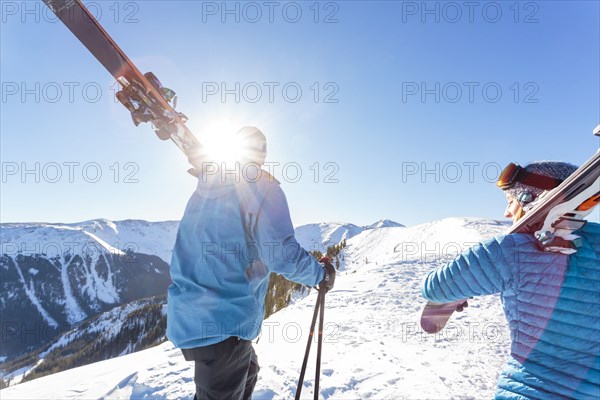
(552,303)
(217,291)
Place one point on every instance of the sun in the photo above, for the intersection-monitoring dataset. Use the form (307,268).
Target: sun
(222,147)
(221,143)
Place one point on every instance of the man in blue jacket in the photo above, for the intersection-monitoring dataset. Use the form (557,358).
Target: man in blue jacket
(551,300)
(235,231)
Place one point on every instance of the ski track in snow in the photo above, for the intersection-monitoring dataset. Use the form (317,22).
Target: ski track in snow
(373,345)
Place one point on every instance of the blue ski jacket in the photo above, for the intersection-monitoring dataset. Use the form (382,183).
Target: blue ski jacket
(551,302)
(231,237)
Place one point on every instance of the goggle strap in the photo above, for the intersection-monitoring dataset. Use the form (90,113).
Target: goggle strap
(536,180)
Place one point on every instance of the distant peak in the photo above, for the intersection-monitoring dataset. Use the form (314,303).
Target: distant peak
(384,223)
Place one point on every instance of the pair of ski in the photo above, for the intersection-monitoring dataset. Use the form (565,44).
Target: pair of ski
(551,219)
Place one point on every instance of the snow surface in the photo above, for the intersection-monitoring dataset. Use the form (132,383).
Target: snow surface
(373,345)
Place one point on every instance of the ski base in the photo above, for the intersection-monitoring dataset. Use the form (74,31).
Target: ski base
(435,316)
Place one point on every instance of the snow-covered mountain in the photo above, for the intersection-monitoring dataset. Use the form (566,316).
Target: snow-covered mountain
(53,276)
(373,345)
(320,236)
(139,236)
(384,223)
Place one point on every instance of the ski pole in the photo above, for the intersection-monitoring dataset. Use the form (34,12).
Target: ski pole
(319,304)
(319,345)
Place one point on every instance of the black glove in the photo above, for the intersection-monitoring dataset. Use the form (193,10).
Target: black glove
(462,306)
(329,278)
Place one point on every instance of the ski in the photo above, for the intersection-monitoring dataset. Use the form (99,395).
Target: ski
(551,218)
(142,94)
(435,316)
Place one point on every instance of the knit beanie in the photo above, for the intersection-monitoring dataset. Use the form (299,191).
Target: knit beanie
(554,169)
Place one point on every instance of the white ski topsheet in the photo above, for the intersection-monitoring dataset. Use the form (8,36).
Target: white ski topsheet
(374,347)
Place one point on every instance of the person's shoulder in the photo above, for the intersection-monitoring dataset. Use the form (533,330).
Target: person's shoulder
(264,182)
(260,187)
(590,228)
(511,242)
(508,239)
(590,233)
(268,179)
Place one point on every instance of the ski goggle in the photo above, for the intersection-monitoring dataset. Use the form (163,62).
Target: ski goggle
(514,173)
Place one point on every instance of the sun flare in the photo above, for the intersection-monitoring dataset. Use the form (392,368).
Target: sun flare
(221,143)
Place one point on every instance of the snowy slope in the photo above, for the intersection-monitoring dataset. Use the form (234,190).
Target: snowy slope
(320,236)
(424,243)
(122,330)
(374,347)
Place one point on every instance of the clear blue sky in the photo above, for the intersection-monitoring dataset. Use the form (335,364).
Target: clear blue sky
(430,99)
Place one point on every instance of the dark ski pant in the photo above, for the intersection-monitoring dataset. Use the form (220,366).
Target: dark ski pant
(227,370)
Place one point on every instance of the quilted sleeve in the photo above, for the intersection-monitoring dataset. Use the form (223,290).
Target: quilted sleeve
(483,269)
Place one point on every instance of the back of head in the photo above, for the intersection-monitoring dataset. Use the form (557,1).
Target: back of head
(252,145)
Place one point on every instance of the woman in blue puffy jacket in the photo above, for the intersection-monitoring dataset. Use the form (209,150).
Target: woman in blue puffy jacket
(551,300)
